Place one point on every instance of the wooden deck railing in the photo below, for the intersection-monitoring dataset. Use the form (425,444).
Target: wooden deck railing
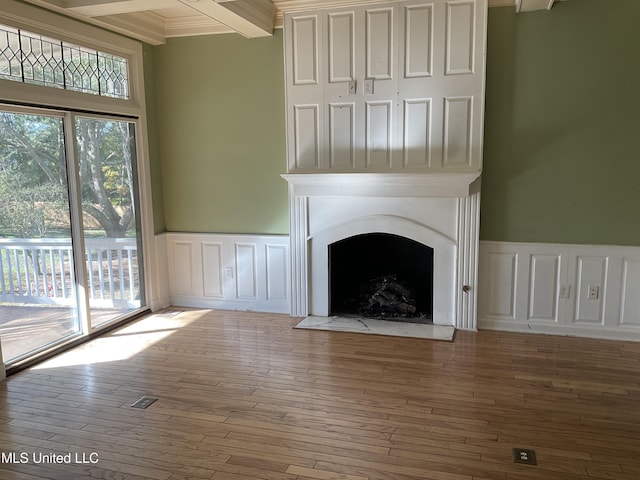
(39,271)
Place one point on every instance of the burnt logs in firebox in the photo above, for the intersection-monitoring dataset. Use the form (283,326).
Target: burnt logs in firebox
(386,297)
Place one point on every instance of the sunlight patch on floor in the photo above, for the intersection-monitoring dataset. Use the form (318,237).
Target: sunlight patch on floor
(125,342)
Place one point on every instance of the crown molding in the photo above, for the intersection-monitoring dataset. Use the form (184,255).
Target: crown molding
(301,5)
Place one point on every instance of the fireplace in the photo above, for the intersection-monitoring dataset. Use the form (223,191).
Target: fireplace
(381,275)
(434,211)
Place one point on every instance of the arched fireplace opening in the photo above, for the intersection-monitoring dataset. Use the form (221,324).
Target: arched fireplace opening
(381,275)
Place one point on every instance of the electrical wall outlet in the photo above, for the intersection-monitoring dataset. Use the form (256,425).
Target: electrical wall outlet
(228,272)
(368,86)
(593,292)
(525,456)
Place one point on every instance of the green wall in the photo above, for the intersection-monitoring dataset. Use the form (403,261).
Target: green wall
(562,126)
(152,131)
(562,129)
(221,134)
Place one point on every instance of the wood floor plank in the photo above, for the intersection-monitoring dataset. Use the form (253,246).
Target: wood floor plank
(244,396)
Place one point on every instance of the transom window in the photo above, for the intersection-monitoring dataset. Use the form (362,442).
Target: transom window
(31,58)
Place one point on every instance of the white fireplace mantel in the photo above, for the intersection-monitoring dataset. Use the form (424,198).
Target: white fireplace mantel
(385,184)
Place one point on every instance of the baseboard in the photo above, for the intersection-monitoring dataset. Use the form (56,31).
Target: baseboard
(565,330)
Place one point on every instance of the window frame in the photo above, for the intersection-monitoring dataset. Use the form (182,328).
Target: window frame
(49,24)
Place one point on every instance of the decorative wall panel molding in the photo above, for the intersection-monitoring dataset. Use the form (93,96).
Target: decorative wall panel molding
(582,290)
(236,272)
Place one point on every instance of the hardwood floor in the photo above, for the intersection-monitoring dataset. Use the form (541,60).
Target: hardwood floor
(244,396)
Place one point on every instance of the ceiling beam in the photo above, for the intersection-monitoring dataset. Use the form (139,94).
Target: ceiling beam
(145,26)
(250,18)
(533,5)
(194,25)
(97,8)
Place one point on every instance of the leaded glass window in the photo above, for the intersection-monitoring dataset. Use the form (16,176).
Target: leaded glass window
(31,58)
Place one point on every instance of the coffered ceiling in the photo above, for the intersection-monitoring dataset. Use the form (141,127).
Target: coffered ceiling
(153,21)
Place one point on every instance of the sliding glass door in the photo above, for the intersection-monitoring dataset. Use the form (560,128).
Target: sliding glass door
(106,152)
(37,285)
(70,258)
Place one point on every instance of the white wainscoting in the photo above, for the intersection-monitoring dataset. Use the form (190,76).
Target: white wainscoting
(582,290)
(235,272)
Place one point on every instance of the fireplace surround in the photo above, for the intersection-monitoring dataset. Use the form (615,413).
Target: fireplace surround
(440,211)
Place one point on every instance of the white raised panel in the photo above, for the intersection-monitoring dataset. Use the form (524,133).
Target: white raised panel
(543,282)
(341,134)
(378,125)
(418,41)
(305,50)
(457,131)
(306,125)
(630,305)
(182,272)
(501,285)
(591,272)
(379,43)
(460,35)
(341,47)
(417,132)
(212,269)
(276,261)
(246,271)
